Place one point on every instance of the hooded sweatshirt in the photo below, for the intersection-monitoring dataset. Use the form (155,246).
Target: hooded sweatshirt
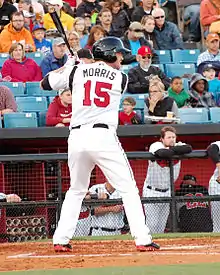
(197,100)
(9,36)
(24,71)
(57,112)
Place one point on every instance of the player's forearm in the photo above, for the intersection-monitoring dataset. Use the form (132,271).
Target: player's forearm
(164,153)
(213,153)
(182,149)
(102,210)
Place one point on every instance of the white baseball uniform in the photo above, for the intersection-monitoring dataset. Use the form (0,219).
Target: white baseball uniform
(109,223)
(96,93)
(214,189)
(157,184)
(84,223)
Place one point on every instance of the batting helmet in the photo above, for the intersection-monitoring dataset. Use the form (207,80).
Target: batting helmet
(106,48)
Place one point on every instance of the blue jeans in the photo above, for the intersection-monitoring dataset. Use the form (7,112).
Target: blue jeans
(192,12)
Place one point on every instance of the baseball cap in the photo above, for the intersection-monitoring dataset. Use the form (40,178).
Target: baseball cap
(144,50)
(55,2)
(84,53)
(38,27)
(208,67)
(58,41)
(136,27)
(190,177)
(212,36)
(61,91)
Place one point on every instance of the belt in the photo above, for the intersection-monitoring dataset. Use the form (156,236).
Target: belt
(97,125)
(157,189)
(106,229)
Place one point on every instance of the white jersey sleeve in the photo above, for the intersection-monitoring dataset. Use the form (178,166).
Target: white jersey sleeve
(156,146)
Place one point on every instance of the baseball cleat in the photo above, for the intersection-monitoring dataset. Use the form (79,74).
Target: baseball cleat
(62,247)
(149,247)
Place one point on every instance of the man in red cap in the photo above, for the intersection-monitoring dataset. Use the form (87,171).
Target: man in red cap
(139,76)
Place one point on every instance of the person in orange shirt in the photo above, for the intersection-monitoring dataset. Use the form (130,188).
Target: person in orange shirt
(209,13)
(15,32)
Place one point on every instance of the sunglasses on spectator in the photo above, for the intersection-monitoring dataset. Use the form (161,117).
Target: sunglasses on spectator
(158,17)
(137,30)
(146,56)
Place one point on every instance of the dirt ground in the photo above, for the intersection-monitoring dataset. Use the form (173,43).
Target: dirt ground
(31,256)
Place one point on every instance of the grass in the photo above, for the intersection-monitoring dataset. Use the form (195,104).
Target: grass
(180,269)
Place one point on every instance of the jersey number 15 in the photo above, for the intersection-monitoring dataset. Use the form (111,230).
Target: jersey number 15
(103,98)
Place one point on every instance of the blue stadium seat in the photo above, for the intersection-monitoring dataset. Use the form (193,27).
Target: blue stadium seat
(186,84)
(126,68)
(194,115)
(33,89)
(42,119)
(164,56)
(3,57)
(36,56)
(182,70)
(15,120)
(31,104)
(50,99)
(160,66)
(0,123)
(185,56)
(215,114)
(17,88)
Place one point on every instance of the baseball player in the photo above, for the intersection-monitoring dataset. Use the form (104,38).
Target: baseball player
(157,182)
(214,184)
(106,220)
(96,93)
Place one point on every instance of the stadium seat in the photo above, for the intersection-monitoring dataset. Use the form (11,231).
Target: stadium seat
(33,89)
(42,119)
(15,120)
(126,68)
(182,70)
(194,115)
(31,104)
(3,57)
(215,114)
(36,56)
(186,84)
(185,56)
(164,56)
(161,66)
(17,88)
(50,99)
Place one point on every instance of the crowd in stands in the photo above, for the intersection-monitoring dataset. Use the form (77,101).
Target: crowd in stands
(149,28)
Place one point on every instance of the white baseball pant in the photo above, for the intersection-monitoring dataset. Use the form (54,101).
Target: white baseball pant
(214,189)
(88,146)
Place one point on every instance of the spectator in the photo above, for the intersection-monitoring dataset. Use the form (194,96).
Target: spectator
(42,45)
(74,41)
(88,22)
(105,18)
(157,182)
(106,220)
(7,101)
(16,32)
(66,19)
(60,110)
(120,18)
(38,9)
(193,216)
(177,92)
(56,59)
(148,24)
(212,54)
(167,34)
(213,82)
(145,9)
(88,7)
(138,81)
(128,116)
(198,93)
(85,56)
(96,33)
(80,27)
(133,39)
(158,103)
(9,198)
(25,6)
(20,68)
(6,11)
(210,14)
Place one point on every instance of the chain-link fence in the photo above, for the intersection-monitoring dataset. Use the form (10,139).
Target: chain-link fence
(176,196)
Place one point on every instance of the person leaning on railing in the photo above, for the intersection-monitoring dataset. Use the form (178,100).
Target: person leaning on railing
(9,198)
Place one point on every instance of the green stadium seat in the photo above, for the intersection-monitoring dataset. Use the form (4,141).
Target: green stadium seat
(182,70)
(194,115)
(17,88)
(33,89)
(31,104)
(185,56)
(15,120)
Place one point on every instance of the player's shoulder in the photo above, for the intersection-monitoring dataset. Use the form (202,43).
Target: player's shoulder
(216,143)
(156,146)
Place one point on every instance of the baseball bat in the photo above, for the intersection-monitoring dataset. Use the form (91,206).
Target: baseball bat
(59,26)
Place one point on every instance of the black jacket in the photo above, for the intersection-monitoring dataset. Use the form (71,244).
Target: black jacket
(138,79)
(129,58)
(138,13)
(87,7)
(5,13)
(120,23)
(151,36)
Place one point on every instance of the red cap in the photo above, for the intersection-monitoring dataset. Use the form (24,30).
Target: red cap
(144,50)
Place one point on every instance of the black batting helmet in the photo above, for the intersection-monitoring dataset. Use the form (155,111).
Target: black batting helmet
(106,48)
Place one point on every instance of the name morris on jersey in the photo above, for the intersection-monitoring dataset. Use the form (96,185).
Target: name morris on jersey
(97,72)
